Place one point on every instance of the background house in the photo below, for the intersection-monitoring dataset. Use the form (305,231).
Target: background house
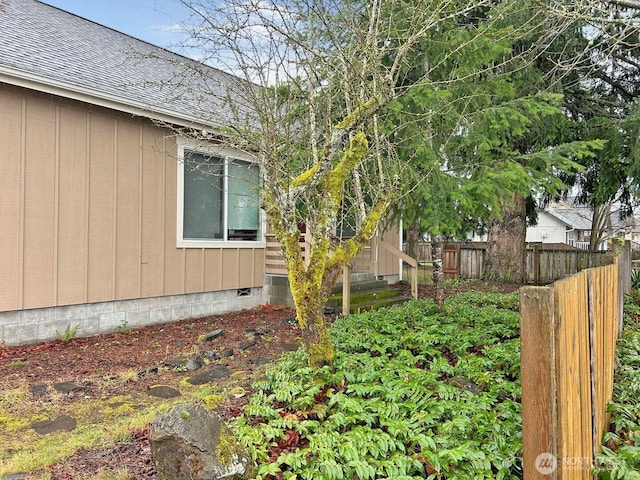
(568,223)
(101,216)
(562,222)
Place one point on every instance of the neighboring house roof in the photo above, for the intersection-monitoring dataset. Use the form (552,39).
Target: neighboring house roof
(621,222)
(578,217)
(47,49)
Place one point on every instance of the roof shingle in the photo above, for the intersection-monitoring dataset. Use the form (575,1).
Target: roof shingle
(59,49)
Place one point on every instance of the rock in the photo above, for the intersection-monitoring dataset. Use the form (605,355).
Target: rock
(16,476)
(162,391)
(39,390)
(207,337)
(214,373)
(211,354)
(463,383)
(192,443)
(246,345)
(258,331)
(63,422)
(148,371)
(260,361)
(227,352)
(175,363)
(195,363)
(65,387)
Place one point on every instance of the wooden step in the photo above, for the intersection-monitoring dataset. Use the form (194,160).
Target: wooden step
(367,293)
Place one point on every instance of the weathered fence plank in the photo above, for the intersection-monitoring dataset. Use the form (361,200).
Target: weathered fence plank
(539,419)
(568,337)
(471,261)
(451,261)
(542,265)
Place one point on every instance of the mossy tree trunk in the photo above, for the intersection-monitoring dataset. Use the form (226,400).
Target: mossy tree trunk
(311,281)
(308,103)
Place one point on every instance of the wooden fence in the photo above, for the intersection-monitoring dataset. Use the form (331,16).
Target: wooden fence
(542,265)
(568,336)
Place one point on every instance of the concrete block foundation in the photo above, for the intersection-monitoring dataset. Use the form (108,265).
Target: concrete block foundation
(41,324)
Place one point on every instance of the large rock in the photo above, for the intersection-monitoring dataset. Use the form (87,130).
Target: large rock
(63,422)
(210,375)
(192,443)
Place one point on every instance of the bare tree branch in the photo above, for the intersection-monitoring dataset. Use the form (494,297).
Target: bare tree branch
(626,3)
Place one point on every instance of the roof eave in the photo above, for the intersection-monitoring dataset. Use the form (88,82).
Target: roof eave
(40,83)
(565,222)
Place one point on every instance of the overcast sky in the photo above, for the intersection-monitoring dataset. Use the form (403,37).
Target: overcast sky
(154,21)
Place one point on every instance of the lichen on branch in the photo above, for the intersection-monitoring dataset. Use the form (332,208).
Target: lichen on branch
(350,248)
(358,147)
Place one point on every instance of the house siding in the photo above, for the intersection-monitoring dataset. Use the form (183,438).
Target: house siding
(88,210)
(548,230)
(12,131)
(388,264)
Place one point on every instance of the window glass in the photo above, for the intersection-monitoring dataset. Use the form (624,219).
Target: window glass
(221,199)
(244,210)
(203,197)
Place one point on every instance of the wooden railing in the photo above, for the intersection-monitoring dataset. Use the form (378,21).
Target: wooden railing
(275,264)
(366,261)
(568,336)
(412,262)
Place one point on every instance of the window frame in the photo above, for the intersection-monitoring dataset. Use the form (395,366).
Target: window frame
(227,155)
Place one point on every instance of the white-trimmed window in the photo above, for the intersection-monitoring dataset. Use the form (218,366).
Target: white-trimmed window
(218,199)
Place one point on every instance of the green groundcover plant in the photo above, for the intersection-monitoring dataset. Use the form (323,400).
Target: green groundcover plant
(416,392)
(620,457)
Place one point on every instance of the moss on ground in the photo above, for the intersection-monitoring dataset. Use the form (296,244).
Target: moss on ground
(100,422)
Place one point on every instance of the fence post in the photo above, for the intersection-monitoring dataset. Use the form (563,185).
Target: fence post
(375,254)
(622,252)
(346,289)
(593,363)
(539,410)
(536,265)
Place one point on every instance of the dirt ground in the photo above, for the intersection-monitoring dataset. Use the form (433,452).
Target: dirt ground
(254,336)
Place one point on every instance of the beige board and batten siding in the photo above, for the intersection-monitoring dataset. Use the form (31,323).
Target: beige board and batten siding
(88,210)
(388,265)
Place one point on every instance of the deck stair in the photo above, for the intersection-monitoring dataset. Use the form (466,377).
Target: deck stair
(367,293)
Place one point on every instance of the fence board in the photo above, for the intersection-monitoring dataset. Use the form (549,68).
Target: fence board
(471,261)
(595,337)
(568,353)
(573,378)
(451,261)
(424,253)
(543,266)
(539,419)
